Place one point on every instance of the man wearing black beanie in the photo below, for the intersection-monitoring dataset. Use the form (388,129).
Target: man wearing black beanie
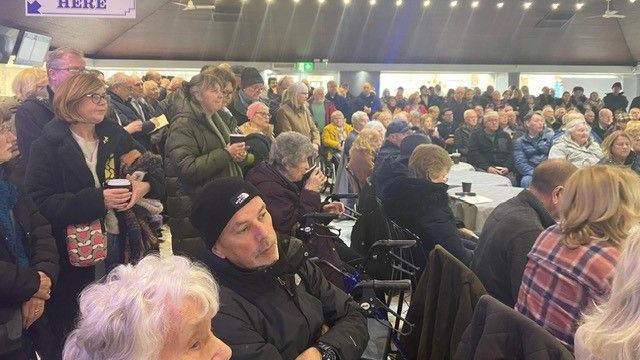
(274,301)
(250,90)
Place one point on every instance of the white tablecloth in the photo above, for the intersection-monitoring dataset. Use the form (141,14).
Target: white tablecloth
(474,216)
(476,178)
(462,166)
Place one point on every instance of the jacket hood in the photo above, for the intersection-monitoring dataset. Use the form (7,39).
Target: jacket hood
(406,196)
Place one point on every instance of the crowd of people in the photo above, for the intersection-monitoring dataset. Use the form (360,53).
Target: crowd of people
(92,167)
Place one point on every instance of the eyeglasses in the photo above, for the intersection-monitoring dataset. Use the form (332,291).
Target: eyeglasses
(262,113)
(71,70)
(98,98)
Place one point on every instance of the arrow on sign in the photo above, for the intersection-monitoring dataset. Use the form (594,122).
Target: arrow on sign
(33,8)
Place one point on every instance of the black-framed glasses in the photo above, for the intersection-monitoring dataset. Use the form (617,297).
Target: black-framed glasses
(98,98)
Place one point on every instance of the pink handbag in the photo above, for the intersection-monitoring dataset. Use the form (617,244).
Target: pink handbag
(86,244)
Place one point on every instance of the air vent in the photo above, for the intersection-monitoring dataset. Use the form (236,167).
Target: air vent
(554,19)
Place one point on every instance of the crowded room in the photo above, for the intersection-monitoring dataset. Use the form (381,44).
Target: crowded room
(319,179)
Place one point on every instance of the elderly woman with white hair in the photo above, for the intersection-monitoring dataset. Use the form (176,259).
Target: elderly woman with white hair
(160,308)
(294,114)
(576,144)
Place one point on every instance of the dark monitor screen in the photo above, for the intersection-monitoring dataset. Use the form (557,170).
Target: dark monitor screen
(8,38)
(33,49)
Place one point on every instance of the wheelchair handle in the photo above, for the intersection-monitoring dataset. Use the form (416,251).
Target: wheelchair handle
(384,284)
(321,216)
(403,244)
(337,197)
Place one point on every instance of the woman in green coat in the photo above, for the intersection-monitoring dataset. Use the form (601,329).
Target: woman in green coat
(197,151)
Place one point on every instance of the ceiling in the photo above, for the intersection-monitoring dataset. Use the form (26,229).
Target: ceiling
(358,33)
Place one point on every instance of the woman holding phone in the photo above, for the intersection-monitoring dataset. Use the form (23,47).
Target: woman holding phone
(198,150)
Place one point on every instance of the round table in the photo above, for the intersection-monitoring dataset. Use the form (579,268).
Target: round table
(462,166)
(474,216)
(476,178)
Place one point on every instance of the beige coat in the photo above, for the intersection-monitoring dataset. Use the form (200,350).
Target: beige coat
(300,121)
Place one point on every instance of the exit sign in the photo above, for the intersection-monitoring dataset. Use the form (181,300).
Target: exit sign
(305,66)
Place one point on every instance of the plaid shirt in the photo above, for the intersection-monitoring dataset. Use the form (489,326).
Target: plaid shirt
(560,282)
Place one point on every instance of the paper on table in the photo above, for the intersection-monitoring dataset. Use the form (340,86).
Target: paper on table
(160,122)
(473,200)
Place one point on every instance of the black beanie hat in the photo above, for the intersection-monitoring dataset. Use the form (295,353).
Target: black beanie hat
(250,76)
(411,142)
(216,204)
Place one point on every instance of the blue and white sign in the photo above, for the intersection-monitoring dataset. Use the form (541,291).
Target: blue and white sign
(124,9)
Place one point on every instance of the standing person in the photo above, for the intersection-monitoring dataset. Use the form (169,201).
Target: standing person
(413,104)
(615,100)
(198,149)
(151,95)
(294,114)
(77,152)
(321,109)
(251,88)
(576,259)
(338,100)
(401,101)
(35,113)
(276,100)
(531,149)
(367,101)
(28,265)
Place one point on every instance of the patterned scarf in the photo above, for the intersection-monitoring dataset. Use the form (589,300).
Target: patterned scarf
(8,200)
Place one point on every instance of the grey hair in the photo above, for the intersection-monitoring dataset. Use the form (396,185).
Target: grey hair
(290,148)
(202,82)
(54,57)
(491,114)
(570,129)
(130,313)
(117,79)
(376,125)
(359,115)
(291,94)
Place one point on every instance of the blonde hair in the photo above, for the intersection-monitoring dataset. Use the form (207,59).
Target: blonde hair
(429,160)
(364,140)
(27,82)
(610,329)
(633,129)
(424,118)
(148,85)
(599,202)
(607,144)
(71,92)
(413,97)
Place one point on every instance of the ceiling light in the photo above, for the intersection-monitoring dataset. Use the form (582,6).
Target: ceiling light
(579,6)
(526,5)
(632,1)
(475,4)
(426,3)
(500,5)
(346,2)
(372,2)
(453,4)
(296,1)
(320,2)
(555,6)
(398,3)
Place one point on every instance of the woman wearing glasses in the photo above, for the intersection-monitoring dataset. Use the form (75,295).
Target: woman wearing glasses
(77,152)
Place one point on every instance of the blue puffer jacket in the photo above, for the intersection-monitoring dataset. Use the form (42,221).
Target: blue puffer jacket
(529,152)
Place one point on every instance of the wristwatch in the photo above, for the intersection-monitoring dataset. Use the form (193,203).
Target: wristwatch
(327,351)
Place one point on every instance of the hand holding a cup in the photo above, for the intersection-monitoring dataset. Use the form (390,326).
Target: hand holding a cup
(238,151)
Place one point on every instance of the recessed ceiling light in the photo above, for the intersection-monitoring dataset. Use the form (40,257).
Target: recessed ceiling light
(296,1)
(500,5)
(372,2)
(475,4)
(632,1)
(579,6)
(346,2)
(453,3)
(426,3)
(555,6)
(526,5)
(320,2)
(398,3)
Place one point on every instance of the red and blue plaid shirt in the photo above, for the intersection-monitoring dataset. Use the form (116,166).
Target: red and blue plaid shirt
(560,282)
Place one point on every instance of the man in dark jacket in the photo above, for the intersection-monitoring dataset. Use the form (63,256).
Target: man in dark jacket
(616,101)
(396,132)
(463,133)
(545,98)
(339,101)
(122,111)
(274,301)
(251,86)
(367,101)
(635,103)
(513,227)
(447,128)
(490,148)
(397,165)
(457,106)
(35,113)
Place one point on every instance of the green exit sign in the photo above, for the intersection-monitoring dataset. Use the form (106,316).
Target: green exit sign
(305,66)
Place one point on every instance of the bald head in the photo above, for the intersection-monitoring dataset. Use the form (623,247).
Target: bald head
(605,117)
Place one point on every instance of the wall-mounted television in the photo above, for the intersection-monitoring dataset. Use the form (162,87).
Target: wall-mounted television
(8,38)
(33,49)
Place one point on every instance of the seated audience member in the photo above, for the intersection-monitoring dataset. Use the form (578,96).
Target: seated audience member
(385,118)
(359,120)
(617,150)
(321,109)
(513,227)
(160,308)
(532,148)
(396,166)
(377,126)
(490,148)
(197,150)
(463,133)
(576,144)
(361,156)
(571,264)
(396,132)
(282,182)
(447,128)
(413,104)
(258,120)
(634,114)
(275,303)
(610,330)
(78,151)
(550,120)
(420,202)
(294,115)
(602,125)
(428,127)
(28,263)
(590,117)
(334,136)
(34,112)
